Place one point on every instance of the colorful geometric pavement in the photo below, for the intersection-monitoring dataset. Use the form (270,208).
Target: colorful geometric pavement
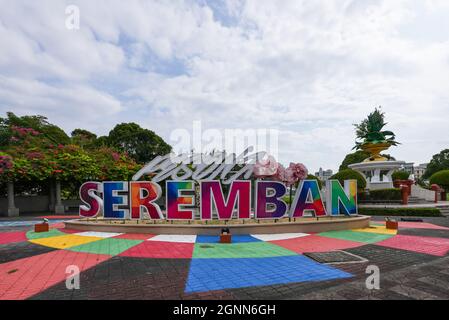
(144,266)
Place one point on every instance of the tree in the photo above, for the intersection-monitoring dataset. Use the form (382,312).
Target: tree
(31,160)
(35,158)
(141,144)
(84,138)
(353,158)
(349,174)
(102,141)
(439,162)
(37,123)
(83,133)
(357,157)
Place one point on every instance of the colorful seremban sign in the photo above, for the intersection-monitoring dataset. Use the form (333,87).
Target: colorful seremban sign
(138,199)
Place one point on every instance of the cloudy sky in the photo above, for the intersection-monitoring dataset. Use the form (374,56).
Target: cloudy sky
(308,68)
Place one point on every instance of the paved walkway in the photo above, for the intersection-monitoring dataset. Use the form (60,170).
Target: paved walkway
(413,263)
(410,205)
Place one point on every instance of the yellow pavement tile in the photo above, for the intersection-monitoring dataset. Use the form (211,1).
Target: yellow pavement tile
(377,229)
(66,241)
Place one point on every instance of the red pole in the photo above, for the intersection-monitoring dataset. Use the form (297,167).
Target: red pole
(404,192)
(435,188)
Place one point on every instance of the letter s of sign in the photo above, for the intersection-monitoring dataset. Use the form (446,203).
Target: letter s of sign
(73,277)
(373,280)
(72,21)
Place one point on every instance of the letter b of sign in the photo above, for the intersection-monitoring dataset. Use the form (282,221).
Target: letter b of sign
(373,280)
(73,277)
(72,21)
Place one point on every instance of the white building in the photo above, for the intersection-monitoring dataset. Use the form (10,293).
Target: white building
(324,175)
(409,167)
(419,170)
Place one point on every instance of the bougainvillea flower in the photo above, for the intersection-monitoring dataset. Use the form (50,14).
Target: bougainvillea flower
(265,168)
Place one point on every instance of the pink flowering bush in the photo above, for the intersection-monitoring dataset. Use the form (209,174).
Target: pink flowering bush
(6,163)
(266,168)
(298,170)
(24,131)
(285,175)
(116,156)
(269,168)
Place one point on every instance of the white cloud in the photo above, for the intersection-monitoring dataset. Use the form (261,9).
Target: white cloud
(307,68)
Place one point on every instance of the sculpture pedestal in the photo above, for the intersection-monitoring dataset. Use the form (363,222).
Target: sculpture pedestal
(378,173)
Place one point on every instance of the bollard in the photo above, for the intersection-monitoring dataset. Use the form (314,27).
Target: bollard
(225,236)
(437,190)
(404,193)
(392,224)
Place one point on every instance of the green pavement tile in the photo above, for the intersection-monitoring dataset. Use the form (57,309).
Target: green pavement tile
(109,246)
(31,235)
(365,237)
(240,250)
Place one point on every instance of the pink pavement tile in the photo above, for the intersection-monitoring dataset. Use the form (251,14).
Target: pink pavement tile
(416,225)
(57,225)
(134,236)
(315,243)
(69,217)
(23,278)
(160,250)
(432,246)
(10,237)
(69,231)
(420,225)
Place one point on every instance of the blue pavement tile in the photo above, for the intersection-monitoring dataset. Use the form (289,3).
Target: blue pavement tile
(235,239)
(219,274)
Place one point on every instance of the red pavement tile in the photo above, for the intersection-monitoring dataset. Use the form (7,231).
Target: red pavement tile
(315,243)
(134,236)
(160,250)
(432,246)
(23,278)
(10,237)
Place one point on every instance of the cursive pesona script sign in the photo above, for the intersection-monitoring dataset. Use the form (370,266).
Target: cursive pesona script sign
(195,166)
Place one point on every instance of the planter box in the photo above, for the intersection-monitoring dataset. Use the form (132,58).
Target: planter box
(392,225)
(225,238)
(41,227)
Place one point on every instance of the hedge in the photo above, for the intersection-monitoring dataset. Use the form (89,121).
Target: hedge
(349,174)
(441,178)
(405,212)
(382,194)
(400,175)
